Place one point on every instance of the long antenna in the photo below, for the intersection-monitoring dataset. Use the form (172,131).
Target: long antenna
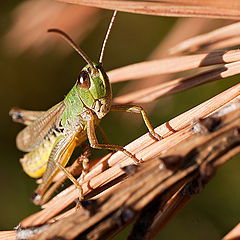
(74,45)
(107,36)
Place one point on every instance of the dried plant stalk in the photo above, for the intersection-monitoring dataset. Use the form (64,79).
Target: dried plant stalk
(234,41)
(185,8)
(31,19)
(172,65)
(181,31)
(167,184)
(234,234)
(178,85)
(8,235)
(189,165)
(109,167)
(224,34)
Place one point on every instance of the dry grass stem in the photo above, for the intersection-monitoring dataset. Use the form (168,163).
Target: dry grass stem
(194,143)
(185,8)
(181,31)
(228,36)
(178,85)
(235,41)
(31,19)
(172,65)
(8,235)
(234,234)
(155,187)
(168,211)
(109,167)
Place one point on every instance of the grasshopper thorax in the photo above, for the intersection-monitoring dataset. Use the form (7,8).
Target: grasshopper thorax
(94,89)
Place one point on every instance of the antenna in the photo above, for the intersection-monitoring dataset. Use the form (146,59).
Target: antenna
(107,35)
(74,45)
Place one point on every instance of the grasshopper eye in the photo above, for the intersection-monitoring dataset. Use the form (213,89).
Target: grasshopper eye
(84,80)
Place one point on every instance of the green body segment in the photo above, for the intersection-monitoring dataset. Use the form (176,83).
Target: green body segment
(73,108)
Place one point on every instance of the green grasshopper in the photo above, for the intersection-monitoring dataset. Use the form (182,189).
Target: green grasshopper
(51,136)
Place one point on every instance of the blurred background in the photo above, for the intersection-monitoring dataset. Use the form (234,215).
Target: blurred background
(38,69)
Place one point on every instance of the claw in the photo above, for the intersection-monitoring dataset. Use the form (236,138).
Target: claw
(155,136)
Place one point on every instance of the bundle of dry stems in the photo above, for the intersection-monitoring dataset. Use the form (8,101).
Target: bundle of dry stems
(194,143)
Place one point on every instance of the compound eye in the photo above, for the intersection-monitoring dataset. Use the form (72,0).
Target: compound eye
(84,80)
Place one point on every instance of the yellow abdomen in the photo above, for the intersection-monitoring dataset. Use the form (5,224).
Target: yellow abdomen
(34,163)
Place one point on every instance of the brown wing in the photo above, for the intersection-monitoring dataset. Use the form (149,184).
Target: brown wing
(25,117)
(33,135)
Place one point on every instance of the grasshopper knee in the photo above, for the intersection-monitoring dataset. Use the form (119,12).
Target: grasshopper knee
(94,146)
(136,109)
(36,198)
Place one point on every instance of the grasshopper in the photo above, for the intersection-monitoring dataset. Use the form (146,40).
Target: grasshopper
(51,136)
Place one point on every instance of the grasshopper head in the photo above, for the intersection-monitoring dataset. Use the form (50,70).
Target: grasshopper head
(92,85)
(94,89)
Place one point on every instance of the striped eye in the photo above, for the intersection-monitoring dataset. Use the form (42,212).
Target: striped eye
(83,80)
